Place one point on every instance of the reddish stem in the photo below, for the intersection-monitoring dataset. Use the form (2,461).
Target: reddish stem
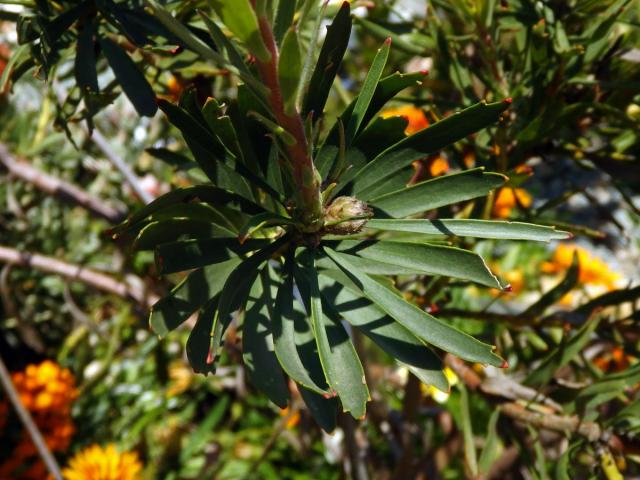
(309,205)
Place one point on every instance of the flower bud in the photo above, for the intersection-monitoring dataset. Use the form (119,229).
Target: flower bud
(346,215)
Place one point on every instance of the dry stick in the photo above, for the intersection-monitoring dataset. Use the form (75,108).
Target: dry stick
(96,279)
(29,424)
(57,187)
(557,423)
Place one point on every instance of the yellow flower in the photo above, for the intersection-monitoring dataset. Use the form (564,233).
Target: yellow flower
(438,395)
(414,115)
(593,270)
(507,199)
(97,463)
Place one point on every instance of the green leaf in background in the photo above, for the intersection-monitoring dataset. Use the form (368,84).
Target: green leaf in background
(241,20)
(490,449)
(367,91)
(418,322)
(438,192)
(331,54)
(561,355)
(426,259)
(340,362)
(189,295)
(290,69)
(567,284)
(85,61)
(132,80)
(283,19)
(258,354)
(500,230)
(445,132)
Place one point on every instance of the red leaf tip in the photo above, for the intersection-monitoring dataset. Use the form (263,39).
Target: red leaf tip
(508,100)
(424,72)
(505,364)
(388,41)
(508,288)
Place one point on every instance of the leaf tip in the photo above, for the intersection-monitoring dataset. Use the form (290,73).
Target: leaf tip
(505,364)
(387,41)
(424,72)
(507,288)
(508,100)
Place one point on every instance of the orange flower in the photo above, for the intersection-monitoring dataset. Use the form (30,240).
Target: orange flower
(593,270)
(438,166)
(294,418)
(507,199)
(414,115)
(48,392)
(614,360)
(97,463)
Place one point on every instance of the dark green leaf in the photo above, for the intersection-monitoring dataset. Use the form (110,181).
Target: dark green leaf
(260,360)
(289,69)
(471,228)
(181,256)
(175,229)
(388,334)
(286,322)
(333,49)
(426,259)
(338,357)
(129,76)
(189,295)
(366,92)
(445,132)
(437,192)
(418,322)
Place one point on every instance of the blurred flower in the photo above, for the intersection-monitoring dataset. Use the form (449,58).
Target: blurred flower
(507,199)
(438,166)
(47,391)
(593,270)
(438,395)
(414,115)
(180,378)
(614,360)
(97,463)
(293,418)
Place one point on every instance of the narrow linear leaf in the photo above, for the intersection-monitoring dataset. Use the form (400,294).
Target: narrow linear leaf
(175,229)
(500,230)
(340,362)
(367,91)
(259,358)
(438,192)
(329,59)
(418,322)
(290,69)
(262,220)
(239,17)
(129,76)
(388,334)
(445,132)
(284,320)
(569,281)
(427,259)
(189,295)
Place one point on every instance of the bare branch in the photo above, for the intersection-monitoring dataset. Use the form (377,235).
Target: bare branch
(59,188)
(101,281)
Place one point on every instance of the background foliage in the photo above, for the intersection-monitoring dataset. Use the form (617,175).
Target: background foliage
(567,406)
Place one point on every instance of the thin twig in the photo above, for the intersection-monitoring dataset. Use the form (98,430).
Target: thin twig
(91,277)
(29,424)
(58,187)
